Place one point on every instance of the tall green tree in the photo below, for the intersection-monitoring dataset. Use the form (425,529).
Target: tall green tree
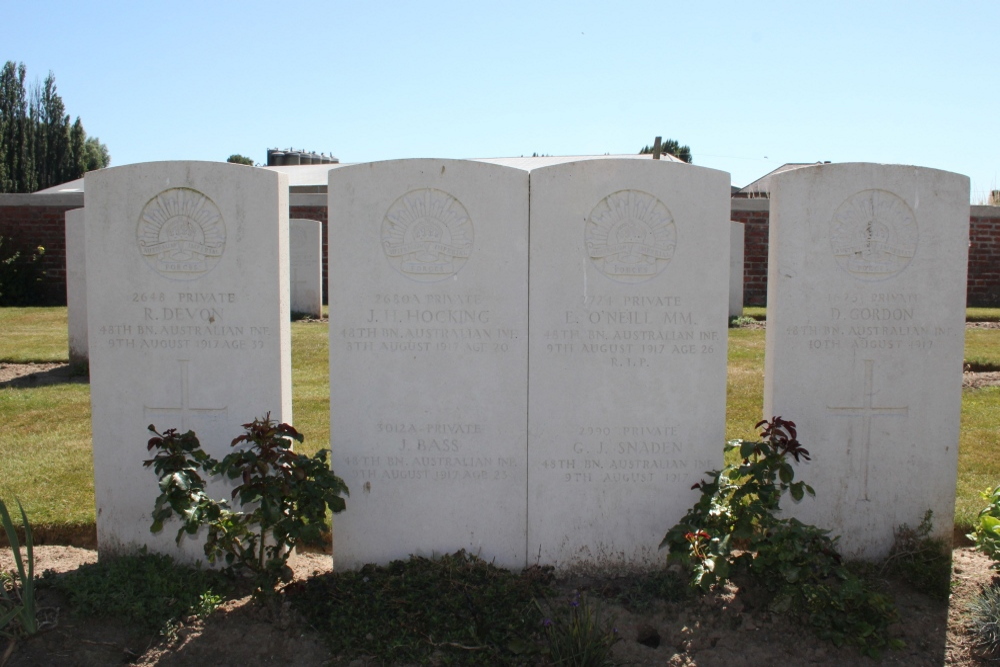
(96,154)
(16,156)
(77,148)
(673,147)
(52,128)
(236,158)
(39,147)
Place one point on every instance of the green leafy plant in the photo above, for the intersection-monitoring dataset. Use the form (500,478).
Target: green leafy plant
(17,593)
(737,506)
(923,561)
(639,592)
(733,529)
(577,634)
(741,322)
(151,590)
(987,527)
(455,609)
(985,622)
(236,158)
(20,274)
(288,494)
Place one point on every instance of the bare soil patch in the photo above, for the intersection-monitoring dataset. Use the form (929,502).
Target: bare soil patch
(728,627)
(980,380)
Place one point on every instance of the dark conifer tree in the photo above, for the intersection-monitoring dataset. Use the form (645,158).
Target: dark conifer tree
(17,171)
(39,147)
(671,146)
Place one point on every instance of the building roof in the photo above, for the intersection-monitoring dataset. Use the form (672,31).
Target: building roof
(762,186)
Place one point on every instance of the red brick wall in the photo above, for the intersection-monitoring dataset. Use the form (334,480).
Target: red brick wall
(30,226)
(34,225)
(984,259)
(754,256)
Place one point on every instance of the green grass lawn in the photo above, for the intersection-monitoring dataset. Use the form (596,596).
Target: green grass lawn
(311,384)
(978,451)
(982,314)
(745,383)
(45,456)
(33,334)
(982,349)
(45,439)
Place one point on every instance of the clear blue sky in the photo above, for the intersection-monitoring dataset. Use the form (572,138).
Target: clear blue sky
(748,86)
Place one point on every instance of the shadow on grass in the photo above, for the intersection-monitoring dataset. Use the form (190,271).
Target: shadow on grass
(26,376)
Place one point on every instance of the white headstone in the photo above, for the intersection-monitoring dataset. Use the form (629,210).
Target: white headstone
(305,254)
(629,296)
(187,299)
(865,331)
(428,358)
(736,269)
(76,285)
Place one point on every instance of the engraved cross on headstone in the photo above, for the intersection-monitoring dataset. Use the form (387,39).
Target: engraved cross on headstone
(867,412)
(185,409)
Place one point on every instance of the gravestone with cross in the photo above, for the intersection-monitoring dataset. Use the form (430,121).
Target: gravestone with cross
(186,414)
(428,297)
(187,304)
(628,309)
(305,256)
(865,333)
(862,439)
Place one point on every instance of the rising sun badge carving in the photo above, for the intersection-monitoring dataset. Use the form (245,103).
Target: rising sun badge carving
(874,235)
(181,234)
(427,235)
(631,236)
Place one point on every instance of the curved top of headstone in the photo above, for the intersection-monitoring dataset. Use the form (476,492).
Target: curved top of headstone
(427,212)
(638,215)
(877,219)
(410,163)
(188,168)
(185,217)
(862,170)
(608,163)
(538,162)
